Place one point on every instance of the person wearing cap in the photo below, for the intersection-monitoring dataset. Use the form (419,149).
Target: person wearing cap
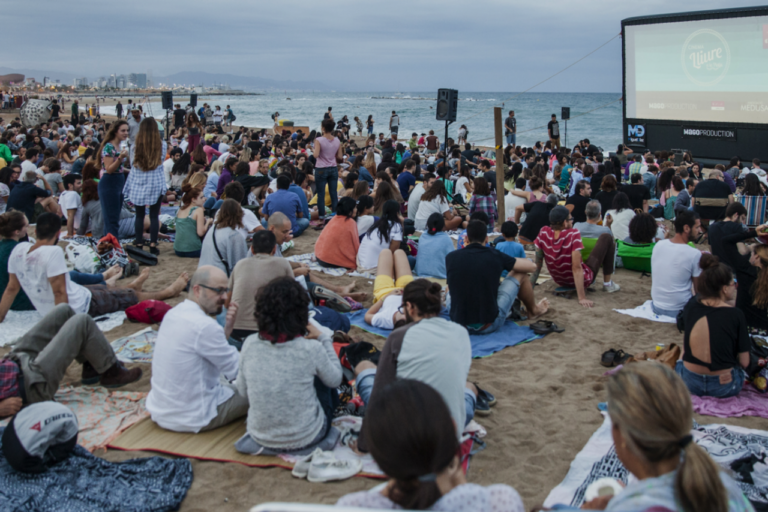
(560,245)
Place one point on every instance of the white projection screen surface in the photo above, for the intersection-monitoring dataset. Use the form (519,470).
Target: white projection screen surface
(712,70)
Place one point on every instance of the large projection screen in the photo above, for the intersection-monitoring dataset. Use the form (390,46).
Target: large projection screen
(712,70)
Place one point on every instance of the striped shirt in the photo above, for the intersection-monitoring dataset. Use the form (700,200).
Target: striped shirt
(558,253)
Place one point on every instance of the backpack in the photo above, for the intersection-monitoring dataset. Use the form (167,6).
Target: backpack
(147,311)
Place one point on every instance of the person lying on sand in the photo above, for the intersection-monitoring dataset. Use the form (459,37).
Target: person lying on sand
(32,372)
(41,271)
(560,245)
(480,301)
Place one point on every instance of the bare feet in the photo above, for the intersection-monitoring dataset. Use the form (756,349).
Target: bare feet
(345,291)
(357,296)
(112,281)
(114,270)
(139,281)
(179,284)
(541,308)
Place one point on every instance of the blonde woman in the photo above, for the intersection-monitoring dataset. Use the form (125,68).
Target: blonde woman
(209,192)
(145,185)
(651,416)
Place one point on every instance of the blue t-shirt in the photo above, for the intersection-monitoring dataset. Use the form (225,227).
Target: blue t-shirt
(405,181)
(364,175)
(286,202)
(302,198)
(430,260)
(513,249)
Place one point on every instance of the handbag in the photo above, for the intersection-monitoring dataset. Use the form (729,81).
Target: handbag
(218,252)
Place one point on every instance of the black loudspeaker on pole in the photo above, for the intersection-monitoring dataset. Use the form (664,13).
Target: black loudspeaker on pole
(167,100)
(565,115)
(447,105)
(193,100)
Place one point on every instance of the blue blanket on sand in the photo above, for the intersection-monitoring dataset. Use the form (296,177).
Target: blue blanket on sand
(85,482)
(483,345)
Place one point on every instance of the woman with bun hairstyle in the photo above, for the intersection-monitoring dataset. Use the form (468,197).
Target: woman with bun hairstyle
(421,461)
(339,241)
(384,235)
(191,224)
(145,186)
(716,341)
(365,218)
(651,418)
(434,246)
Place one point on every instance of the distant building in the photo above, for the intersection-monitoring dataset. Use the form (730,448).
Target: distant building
(80,82)
(138,79)
(14,79)
(112,81)
(121,82)
(29,82)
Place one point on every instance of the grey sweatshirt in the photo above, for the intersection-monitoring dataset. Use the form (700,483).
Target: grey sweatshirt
(231,245)
(278,380)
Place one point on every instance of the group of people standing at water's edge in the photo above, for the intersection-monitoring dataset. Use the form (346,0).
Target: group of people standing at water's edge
(253,318)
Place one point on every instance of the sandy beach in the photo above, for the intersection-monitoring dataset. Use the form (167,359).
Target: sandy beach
(547,391)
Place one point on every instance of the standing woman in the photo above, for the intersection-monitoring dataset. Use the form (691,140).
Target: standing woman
(327,152)
(193,128)
(145,185)
(369,123)
(111,160)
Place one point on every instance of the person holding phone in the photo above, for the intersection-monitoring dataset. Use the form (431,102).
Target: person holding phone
(112,178)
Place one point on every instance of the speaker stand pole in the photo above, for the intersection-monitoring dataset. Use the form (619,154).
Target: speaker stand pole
(445,143)
(167,125)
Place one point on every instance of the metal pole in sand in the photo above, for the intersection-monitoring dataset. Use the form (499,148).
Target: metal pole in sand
(499,164)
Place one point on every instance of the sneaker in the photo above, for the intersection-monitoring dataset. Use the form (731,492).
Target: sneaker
(486,395)
(301,468)
(612,288)
(327,469)
(118,375)
(482,407)
(90,375)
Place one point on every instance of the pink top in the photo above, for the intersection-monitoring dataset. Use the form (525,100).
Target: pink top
(328,150)
(211,153)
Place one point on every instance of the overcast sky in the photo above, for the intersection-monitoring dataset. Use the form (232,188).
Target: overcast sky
(363,45)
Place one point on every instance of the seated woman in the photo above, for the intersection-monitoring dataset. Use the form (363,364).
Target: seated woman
(434,246)
(381,194)
(338,242)
(716,342)
(537,191)
(751,271)
(296,351)
(619,216)
(643,229)
(651,416)
(191,224)
(384,235)
(430,478)
(223,245)
(435,200)
(484,200)
(365,218)
(392,276)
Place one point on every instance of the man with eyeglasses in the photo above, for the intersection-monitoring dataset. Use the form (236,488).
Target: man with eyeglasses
(191,355)
(560,245)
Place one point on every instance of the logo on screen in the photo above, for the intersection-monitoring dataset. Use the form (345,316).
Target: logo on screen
(635,130)
(706,57)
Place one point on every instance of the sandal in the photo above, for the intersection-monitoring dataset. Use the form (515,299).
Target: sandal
(621,357)
(545,327)
(608,357)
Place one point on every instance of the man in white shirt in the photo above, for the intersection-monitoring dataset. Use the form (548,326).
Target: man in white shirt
(71,203)
(415,198)
(191,356)
(217,116)
(674,265)
(41,270)
(394,123)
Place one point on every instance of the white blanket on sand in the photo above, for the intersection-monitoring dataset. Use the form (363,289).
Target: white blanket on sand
(310,260)
(18,323)
(738,450)
(645,311)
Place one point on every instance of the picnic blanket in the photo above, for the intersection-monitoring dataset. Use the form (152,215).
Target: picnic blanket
(645,311)
(749,402)
(738,450)
(483,345)
(137,347)
(101,414)
(84,483)
(18,323)
(314,265)
(216,445)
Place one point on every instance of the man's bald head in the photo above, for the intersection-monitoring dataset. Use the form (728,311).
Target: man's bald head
(716,174)
(205,278)
(277,219)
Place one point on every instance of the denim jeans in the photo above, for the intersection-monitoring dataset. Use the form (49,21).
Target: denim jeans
(331,319)
(111,198)
(212,203)
(664,312)
(505,299)
(364,386)
(326,176)
(709,385)
(302,225)
(511,138)
(85,279)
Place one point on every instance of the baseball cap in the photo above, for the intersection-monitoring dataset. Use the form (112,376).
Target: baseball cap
(558,215)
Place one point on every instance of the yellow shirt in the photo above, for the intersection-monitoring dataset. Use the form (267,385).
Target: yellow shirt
(339,188)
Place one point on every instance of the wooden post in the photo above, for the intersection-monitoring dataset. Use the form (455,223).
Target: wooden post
(500,192)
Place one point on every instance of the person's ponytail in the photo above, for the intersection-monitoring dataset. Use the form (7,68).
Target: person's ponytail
(697,484)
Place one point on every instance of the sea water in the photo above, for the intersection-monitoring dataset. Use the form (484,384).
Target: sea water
(417,113)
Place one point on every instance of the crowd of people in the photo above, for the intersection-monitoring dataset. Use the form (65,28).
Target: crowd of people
(253,318)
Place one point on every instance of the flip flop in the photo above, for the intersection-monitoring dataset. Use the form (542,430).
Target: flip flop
(607,359)
(621,357)
(545,327)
